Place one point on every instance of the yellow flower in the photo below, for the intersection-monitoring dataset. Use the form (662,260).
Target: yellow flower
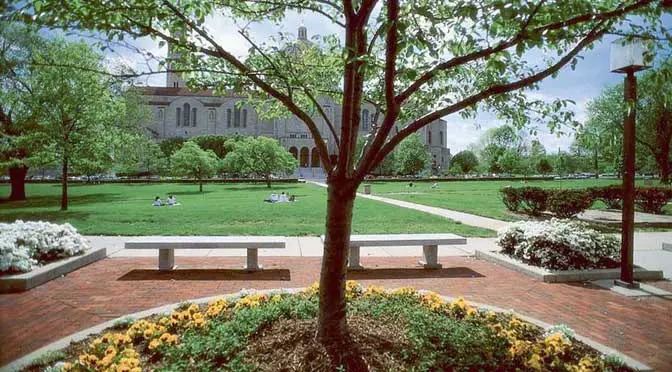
(432,300)
(409,291)
(471,312)
(111,350)
(193,308)
(154,344)
(66,366)
(164,321)
(535,362)
(148,333)
(352,289)
(130,362)
(491,315)
(276,298)
(129,353)
(373,290)
(313,289)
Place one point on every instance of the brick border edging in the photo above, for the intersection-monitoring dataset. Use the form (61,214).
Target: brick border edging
(39,276)
(562,276)
(24,361)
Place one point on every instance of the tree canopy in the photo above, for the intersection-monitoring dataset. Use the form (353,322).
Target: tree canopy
(192,161)
(262,155)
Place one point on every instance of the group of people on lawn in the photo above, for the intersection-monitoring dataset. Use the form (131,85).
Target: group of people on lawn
(171,201)
(282,198)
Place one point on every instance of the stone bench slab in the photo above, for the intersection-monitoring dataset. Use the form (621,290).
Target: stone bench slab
(168,244)
(206,242)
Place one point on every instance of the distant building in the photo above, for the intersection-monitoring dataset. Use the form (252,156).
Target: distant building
(179,112)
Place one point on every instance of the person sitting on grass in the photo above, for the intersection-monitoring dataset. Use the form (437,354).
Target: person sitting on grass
(272,199)
(157,202)
(283,198)
(171,200)
(292,198)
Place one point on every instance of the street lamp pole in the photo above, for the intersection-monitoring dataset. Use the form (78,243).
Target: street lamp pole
(627,56)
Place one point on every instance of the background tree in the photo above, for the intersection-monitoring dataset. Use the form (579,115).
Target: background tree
(466,161)
(412,156)
(141,155)
(194,162)
(262,156)
(169,146)
(18,126)
(219,144)
(544,166)
(510,162)
(417,61)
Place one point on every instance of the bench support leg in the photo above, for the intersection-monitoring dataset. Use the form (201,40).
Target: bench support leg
(252,260)
(166,259)
(353,260)
(431,257)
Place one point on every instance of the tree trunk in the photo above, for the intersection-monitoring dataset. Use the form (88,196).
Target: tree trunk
(17,180)
(200,185)
(268,181)
(332,329)
(664,167)
(597,167)
(64,184)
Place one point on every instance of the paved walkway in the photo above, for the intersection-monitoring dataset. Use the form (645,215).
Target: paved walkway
(610,216)
(113,287)
(465,218)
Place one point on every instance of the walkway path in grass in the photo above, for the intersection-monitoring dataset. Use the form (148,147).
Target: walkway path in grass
(465,218)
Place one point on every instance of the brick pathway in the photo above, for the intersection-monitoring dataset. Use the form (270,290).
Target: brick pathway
(641,328)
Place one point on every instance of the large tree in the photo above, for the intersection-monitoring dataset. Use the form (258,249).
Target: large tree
(464,161)
(262,156)
(416,60)
(18,121)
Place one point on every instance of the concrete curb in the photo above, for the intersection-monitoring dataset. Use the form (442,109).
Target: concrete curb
(562,276)
(26,281)
(64,342)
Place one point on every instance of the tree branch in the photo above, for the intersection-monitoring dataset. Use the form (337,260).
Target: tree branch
(240,66)
(493,90)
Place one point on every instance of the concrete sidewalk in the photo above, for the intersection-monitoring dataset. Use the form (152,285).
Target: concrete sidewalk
(304,246)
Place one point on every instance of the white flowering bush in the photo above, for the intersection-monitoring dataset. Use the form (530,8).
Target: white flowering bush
(559,245)
(26,245)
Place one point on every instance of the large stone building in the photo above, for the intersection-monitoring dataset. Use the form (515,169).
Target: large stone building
(179,112)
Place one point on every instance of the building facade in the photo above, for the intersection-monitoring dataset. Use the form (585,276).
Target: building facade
(176,111)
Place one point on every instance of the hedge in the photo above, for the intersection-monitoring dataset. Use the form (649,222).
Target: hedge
(566,203)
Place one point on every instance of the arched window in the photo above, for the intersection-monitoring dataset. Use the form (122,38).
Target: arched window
(228,118)
(314,158)
(178,115)
(366,120)
(236,117)
(244,118)
(193,117)
(441,137)
(305,154)
(429,137)
(295,152)
(187,112)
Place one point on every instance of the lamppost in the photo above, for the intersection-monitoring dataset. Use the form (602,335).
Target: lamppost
(627,57)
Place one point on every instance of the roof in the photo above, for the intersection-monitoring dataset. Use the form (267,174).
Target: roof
(168,91)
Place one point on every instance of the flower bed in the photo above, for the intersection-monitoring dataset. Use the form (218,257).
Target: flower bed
(25,246)
(559,245)
(389,330)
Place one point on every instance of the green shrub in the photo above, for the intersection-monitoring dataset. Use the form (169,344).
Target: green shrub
(652,199)
(534,199)
(568,203)
(612,196)
(511,196)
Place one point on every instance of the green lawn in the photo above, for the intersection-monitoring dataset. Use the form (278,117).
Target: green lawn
(477,197)
(233,209)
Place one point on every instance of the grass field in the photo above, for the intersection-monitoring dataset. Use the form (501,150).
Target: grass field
(234,209)
(477,197)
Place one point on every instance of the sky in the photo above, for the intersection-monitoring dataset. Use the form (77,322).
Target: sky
(580,85)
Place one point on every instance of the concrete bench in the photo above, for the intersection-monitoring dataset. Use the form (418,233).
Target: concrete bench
(167,245)
(429,243)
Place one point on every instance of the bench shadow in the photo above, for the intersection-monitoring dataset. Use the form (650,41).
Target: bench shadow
(414,273)
(206,274)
